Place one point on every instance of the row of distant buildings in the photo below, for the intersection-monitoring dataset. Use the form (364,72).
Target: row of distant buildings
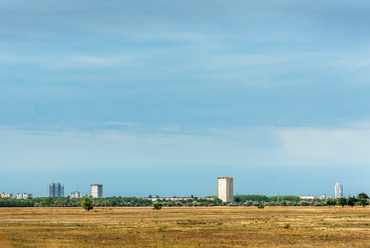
(225,188)
(225,191)
(18,195)
(57,190)
(338,193)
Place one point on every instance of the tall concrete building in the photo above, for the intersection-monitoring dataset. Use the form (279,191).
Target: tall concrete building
(225,188)
(55,190)
(338,191)
(97,190)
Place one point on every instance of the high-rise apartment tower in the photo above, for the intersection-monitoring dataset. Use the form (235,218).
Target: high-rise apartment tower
(225,188)
(55,190)
(97,190)
(338,191)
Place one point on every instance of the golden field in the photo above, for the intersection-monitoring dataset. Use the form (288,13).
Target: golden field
(185,227)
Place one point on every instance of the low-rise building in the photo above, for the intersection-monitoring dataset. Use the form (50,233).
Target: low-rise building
(6,195)
(23,195)
(75,194)
(309,197)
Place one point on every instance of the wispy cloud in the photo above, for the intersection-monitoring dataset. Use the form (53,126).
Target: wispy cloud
(124,124)
(67,61)
(290,148)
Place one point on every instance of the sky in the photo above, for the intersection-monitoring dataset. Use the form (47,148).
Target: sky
(162,97)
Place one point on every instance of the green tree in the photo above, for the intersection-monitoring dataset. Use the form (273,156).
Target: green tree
(351,201)
(342,202)
(87,204)
(331,202)
(363,202)
(362,196)
(363,199)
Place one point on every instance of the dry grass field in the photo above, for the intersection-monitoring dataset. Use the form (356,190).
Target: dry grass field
(186,227)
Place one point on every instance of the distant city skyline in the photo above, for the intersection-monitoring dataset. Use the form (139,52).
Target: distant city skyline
(168,95)
(96,191)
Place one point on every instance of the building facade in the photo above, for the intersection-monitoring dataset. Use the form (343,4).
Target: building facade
(55,190)
(308,197)
(338,191)
(23,196)
(6,195)
(225,188)
(97,190)
(75,194)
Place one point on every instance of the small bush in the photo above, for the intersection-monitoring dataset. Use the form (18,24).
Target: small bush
(157,206)
(87,204)
(261,206)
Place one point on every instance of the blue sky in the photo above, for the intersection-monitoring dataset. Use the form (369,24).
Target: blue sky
(161,97)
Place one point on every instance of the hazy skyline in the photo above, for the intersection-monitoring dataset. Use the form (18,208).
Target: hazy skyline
(163,97)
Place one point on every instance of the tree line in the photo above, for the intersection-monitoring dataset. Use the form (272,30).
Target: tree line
(104,202)
(264,198)
(362,199)
(74,202)
(239,200)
